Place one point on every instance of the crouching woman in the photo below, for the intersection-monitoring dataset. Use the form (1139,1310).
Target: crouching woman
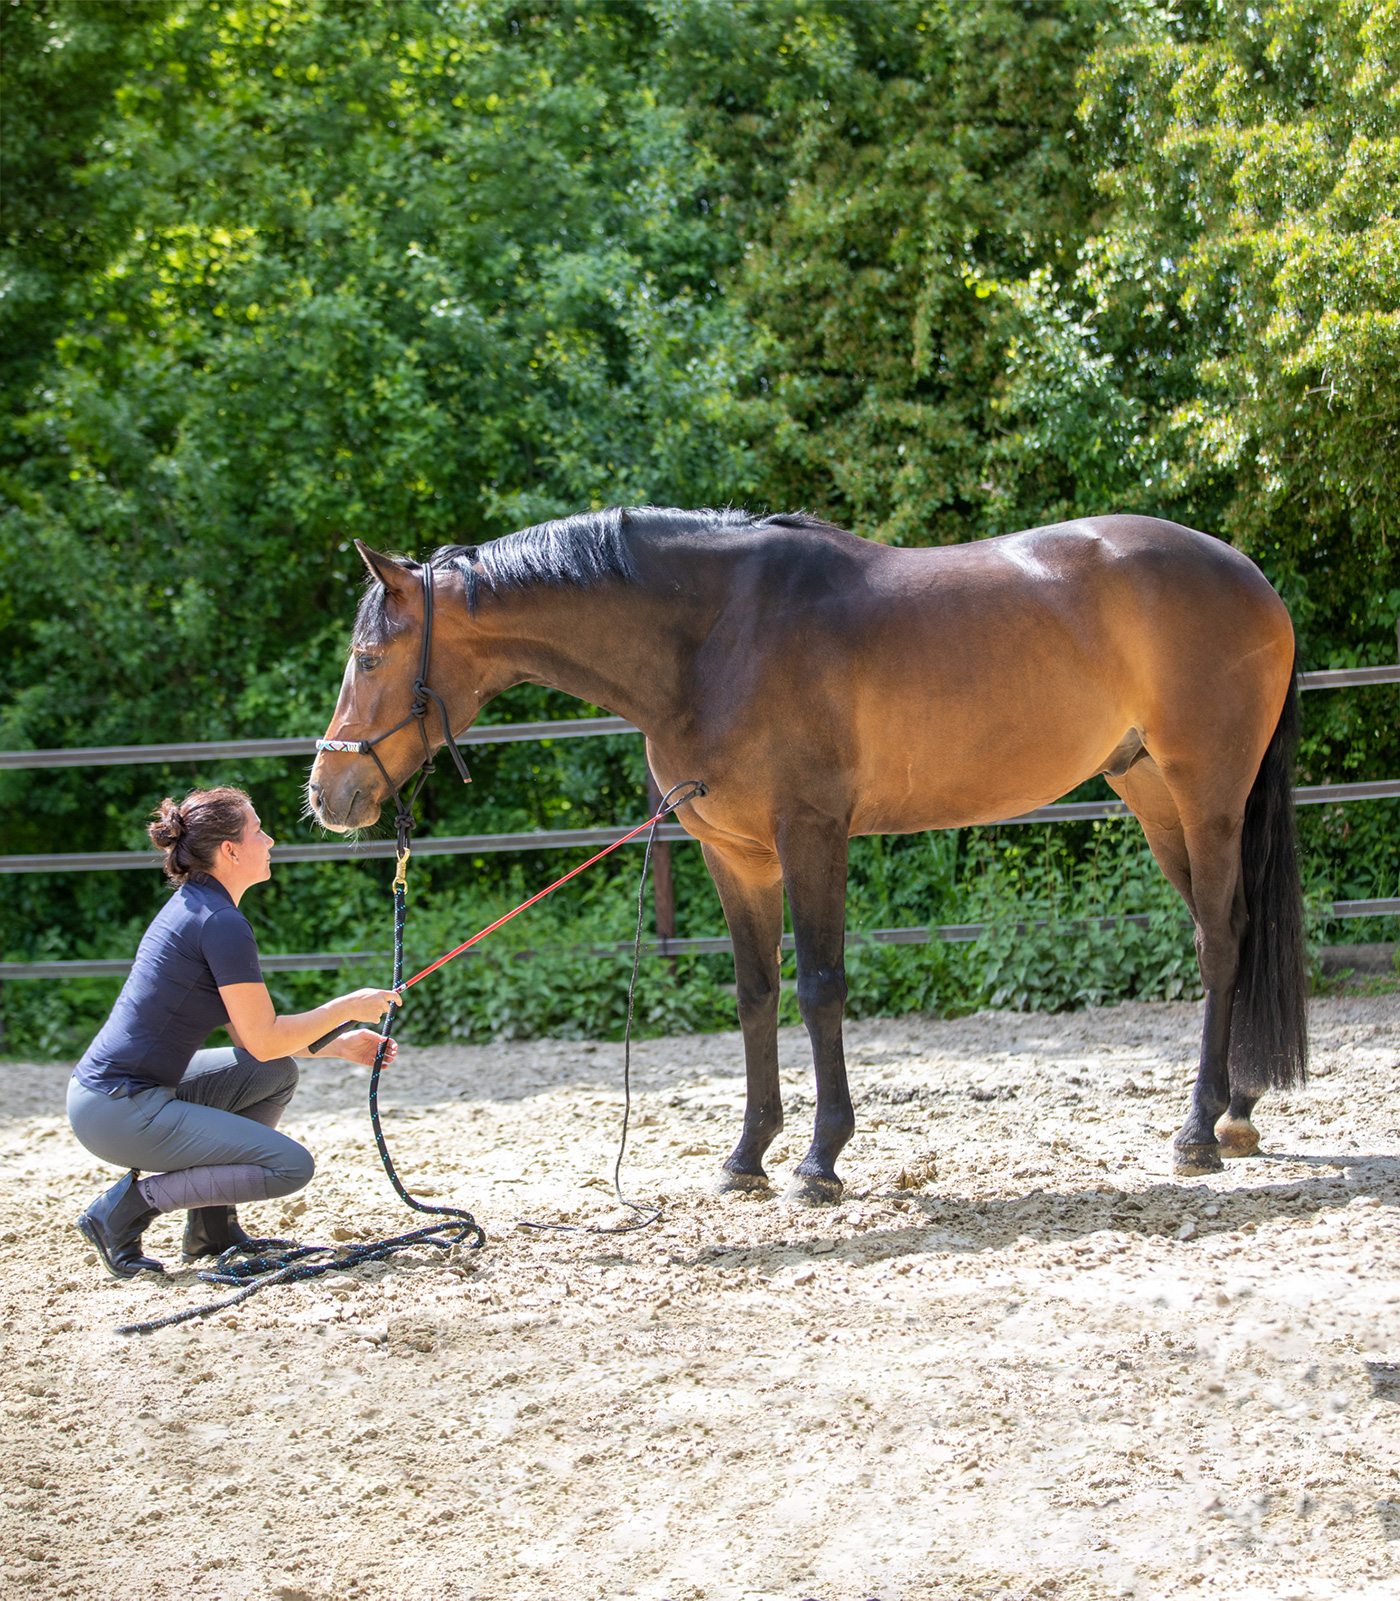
(202,1124)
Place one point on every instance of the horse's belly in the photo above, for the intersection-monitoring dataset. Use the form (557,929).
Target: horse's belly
(953,811)
(951,772)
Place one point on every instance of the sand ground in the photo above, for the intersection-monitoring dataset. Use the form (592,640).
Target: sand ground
(1047,1370)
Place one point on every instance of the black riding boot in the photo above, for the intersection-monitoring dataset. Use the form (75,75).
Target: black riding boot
(113,1226)
(210,1230)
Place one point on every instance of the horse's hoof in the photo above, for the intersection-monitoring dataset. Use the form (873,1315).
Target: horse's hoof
(1237,1136)
(1190,1160)
(811,1189)
(728,1183)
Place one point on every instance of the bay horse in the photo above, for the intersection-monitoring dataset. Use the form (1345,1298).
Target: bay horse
(823,686)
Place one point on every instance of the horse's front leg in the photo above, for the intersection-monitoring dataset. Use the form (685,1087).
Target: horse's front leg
(814,858)
(751,892)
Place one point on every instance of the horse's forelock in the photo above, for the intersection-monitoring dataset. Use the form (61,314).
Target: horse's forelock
(373,628)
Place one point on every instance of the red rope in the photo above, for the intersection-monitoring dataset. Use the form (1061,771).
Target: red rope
(466,944)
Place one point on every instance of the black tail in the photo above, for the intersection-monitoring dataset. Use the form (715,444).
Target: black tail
(1268,1027)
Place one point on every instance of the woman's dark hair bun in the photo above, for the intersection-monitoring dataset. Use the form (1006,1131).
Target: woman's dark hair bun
(189,832)
(168,826)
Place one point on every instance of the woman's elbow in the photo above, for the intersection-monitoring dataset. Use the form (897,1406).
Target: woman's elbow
(261,1047)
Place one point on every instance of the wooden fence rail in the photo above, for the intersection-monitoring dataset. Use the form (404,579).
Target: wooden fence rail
(950,932)
(563,838)
(558,839)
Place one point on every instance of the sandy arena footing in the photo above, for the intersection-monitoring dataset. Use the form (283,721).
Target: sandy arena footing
(1020,1360)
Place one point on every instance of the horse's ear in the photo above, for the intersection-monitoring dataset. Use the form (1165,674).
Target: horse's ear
(396,579)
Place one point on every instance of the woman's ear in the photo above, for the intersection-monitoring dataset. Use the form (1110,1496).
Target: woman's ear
(397,579)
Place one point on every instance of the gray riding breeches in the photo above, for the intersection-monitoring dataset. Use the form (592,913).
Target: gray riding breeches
(210,1141)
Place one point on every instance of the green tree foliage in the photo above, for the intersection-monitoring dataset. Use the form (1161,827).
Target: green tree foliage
(1250,156)
(405,271)
(1224,350)
(286,272)
(65,210)
(889,166)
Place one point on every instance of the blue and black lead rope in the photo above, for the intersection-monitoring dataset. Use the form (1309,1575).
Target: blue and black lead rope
(260,1264)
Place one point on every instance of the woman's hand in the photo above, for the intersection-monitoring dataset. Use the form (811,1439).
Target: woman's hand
(369,1003)
(360,1047)
(257,1025)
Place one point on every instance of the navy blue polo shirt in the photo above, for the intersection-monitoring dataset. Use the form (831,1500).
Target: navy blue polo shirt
(170,1003)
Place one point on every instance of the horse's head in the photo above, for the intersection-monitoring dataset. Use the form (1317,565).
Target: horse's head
(386,677)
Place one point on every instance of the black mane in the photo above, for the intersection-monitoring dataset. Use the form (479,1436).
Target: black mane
(581,550)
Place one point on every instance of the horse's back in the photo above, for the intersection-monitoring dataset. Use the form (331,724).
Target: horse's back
(1139,592)
(988,678)
(958,683)
(1178,612)
(1104,556)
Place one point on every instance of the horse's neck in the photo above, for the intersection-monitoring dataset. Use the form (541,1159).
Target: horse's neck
(618,646)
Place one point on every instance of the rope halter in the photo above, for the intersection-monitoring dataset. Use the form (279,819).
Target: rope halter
(423,695)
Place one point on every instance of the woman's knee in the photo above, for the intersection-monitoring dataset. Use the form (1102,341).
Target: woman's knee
(278,1079)
(292,1173)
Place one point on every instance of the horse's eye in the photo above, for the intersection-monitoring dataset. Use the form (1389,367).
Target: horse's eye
(367,664)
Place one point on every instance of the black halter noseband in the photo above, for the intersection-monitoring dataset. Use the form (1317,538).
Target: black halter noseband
(423,693)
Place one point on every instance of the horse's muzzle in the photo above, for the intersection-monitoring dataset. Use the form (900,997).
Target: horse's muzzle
(341,805)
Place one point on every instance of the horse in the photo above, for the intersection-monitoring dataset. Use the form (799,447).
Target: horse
(824,686)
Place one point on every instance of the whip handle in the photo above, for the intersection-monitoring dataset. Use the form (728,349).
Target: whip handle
(335,1033)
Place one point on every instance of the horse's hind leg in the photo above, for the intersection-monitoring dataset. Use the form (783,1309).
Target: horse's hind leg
(751,892)
(1218,892)
(1203,866)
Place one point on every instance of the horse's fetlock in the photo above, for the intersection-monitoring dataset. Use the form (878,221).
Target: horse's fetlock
(1244,1098)
(762,1132)
(834,1129)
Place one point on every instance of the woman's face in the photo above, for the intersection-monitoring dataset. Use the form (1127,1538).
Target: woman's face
(253,852)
